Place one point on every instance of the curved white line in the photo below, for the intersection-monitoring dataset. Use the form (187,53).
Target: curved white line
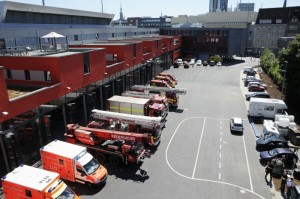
(200,179)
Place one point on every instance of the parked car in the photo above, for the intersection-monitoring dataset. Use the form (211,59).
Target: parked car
(257,95)
(256,87)
(247,68)
(236,124)
(199,62)
(186,64)
(251,73)
(176,65)
(192,62)
(290,158)
(179,61)
(247,81)
(219,64)
(212,63)
(205,63)
(269,143)
(257,83)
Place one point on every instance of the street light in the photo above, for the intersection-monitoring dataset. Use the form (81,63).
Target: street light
(283,80)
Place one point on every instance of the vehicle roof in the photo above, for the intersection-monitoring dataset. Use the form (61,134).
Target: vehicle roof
(237,120)
(267,100)
(284,150)
(31,177)
(261,93)
(64,149)
(275,138)
(128,99)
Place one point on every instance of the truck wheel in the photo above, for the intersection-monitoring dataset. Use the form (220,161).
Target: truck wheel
(101,158)
(114,161)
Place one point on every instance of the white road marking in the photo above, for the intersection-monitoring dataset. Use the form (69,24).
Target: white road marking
(195,165)
(220,155)
(203,179)
(220,127)
(220,139)
(247,164)
(220,146)
(220,165)
(219,176)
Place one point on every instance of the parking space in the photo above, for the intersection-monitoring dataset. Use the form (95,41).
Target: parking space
(210,152)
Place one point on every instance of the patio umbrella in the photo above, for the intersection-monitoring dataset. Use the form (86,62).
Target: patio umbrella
(53,35)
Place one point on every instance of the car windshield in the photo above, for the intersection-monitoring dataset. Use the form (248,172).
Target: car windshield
(238,125)
(138,147)
(273,152)
(66,194)
(91,166)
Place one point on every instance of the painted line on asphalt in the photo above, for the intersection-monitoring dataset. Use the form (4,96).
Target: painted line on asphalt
(220,146)
(220,165)
(197,157)
(203,179)
(249,173)
(219,176)
(220,155)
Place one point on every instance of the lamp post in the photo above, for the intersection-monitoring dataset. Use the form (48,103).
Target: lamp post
(283,80)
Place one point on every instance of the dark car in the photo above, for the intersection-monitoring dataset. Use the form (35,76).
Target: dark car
(256,87)
(186,64)
(257,95)
(205,63)
(251,73)
(248,80)
(289,157)
(264,144)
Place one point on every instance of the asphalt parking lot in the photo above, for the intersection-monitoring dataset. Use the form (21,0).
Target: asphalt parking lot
(198,157)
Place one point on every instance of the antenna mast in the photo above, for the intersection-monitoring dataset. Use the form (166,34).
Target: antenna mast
(102,6)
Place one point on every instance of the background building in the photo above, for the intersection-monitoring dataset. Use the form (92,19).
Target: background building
(273,23)
(245,7)
(218,5)
(149,22)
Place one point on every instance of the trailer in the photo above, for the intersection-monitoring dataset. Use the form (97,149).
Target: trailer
(136,106)
(266,108)
(170,93)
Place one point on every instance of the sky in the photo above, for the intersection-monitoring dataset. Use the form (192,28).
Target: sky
(152,8)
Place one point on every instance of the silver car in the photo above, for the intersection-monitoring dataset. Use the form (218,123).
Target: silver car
(236,124)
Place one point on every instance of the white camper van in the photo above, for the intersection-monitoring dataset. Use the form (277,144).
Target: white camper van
(267,108)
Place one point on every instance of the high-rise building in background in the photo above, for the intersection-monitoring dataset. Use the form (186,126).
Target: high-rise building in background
(218,5)
(245,7)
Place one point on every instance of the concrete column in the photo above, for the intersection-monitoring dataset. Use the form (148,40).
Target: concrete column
(4,152)
(101,97)
(85,109)
(63,107)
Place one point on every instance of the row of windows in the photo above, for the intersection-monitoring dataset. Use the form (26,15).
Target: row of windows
(43,18)
(190,32)
(30,41)
(28,75)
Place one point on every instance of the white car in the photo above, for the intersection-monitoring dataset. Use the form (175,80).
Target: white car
(219,64)
(236,124)
(192,62)
(199,62)
(179,61)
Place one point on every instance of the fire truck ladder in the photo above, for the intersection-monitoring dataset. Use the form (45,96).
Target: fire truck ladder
(180,91)
(145,121)
(139,94)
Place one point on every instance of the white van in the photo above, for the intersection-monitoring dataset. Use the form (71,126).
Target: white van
(267,108)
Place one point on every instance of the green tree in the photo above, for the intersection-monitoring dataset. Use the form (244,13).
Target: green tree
(290,60)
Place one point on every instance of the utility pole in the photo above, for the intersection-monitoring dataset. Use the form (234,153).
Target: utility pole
(43,2)
(102,6)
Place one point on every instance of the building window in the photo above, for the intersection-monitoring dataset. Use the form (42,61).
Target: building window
(8,73)
(86,63)
(27,75)
(28,193)
(75,37)
(61,162)
(47,75)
